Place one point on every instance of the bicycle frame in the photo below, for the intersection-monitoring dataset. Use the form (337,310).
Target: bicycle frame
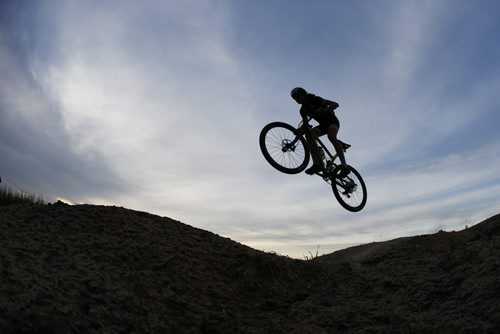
(302,131)
(318,140)
(331,166)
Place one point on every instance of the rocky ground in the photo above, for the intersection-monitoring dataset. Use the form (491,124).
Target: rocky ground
(97,269)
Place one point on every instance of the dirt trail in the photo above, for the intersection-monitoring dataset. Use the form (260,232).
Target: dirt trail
(98,269)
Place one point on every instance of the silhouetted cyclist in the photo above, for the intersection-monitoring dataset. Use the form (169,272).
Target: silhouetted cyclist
(322,111)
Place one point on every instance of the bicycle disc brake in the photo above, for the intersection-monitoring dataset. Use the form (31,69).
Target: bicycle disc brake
(286,145)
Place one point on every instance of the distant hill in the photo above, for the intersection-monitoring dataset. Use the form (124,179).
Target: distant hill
(103,269)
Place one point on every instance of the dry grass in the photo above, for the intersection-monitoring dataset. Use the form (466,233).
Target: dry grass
(9,196)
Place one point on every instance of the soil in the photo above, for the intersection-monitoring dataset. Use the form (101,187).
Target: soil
(104,269)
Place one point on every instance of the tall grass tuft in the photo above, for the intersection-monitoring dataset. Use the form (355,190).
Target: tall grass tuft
(10,196)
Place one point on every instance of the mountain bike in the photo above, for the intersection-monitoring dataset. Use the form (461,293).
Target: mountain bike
(286,149)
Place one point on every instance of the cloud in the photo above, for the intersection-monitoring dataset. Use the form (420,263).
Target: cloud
(157,106)
(34,146)
(165,105)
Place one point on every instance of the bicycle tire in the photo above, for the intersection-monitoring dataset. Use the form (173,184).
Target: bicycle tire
(273,140)
(350,191)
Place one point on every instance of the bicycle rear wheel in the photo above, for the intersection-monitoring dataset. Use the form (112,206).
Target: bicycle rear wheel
(283,148)
(350,191)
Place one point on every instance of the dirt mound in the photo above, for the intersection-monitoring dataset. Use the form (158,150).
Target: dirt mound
(84,269)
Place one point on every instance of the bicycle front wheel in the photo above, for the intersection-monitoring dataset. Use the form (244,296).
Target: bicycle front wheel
(283,148)
(350,191)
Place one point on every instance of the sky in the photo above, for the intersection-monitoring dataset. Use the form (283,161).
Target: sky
(157,106)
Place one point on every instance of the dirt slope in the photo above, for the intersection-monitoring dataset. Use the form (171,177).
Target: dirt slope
(96,269)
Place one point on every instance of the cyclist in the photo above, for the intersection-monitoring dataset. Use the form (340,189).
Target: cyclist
(322,111)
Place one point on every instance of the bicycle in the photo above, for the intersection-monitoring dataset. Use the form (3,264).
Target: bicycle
(285,148)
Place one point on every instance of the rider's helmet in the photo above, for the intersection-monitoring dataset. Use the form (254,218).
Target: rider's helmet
(297,92)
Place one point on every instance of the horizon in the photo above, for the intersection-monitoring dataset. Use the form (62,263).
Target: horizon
(157,107)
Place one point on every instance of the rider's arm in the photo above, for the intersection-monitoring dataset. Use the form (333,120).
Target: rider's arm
(305,116)
(303,113)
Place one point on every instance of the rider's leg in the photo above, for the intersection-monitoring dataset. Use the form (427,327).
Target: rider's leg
(317,163)
(332,135)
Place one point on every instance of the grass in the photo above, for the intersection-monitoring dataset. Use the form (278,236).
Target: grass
(311,255)
(9,196)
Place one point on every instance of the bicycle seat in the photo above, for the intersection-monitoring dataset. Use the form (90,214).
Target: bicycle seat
(344,145)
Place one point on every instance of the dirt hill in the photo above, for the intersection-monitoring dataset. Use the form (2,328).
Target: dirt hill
(97,269)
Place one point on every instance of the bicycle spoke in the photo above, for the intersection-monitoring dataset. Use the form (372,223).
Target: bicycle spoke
(350,191)
(275,141)
(276,144)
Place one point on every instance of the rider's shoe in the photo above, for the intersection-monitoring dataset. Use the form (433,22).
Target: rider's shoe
(344,171)
(313,169)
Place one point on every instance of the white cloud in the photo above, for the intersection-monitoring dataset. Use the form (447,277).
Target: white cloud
(164,96)
(177,125)
(413,30)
